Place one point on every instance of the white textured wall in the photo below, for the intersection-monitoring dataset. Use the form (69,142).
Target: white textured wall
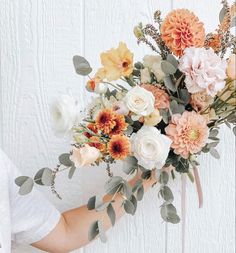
(37,41)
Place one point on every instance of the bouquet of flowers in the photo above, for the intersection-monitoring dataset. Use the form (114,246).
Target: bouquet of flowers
(158,114)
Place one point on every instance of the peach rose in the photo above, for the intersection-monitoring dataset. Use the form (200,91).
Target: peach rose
(201,100)
(231,68)
(84,156)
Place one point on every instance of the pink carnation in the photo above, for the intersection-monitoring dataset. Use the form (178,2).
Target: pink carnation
(189,133)
(204,70)
(162,99)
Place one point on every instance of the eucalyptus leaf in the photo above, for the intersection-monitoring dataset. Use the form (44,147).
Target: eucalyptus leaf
(91,203)
(20,180)
(111,213)
(214,153)
(169,214)
(101,230)
(127,190)
(168,68)
(64,159)
(164,177)
(166,193)
(138,65)
(176,108)
(140,193)
(169,83)
(184,95)
(134,202)
(214,133)
(82,66)
(71,171)
(129,207)
(113,185)
(137,185)
(93,231)
(234,130)
(130,165)
(44,177)
(26,186)
(172,60)
(222,14)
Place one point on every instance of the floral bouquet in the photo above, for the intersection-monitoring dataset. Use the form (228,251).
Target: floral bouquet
(158,114)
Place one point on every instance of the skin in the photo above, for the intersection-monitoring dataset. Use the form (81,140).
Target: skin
(72,230)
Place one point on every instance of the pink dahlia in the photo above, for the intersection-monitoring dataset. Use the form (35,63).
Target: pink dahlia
(162,99)
(189,133)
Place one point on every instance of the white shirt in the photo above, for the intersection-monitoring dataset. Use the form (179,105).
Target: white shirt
(23,219)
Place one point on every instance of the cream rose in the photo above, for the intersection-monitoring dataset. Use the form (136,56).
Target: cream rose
(153,62)
(65,114)
(145,75)
(150,147)
(140,101)
(84,156)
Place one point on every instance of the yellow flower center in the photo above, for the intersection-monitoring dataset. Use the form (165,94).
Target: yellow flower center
(193,134)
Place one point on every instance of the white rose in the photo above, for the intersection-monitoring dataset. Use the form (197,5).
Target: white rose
(150,147)
(84,156)
(145,75)
(65,114)
(153,62)
(140,101)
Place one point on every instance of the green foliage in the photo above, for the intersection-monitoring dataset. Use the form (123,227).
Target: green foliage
(25,183)
(82,66)
(64,159)
(44,177)
(111,213)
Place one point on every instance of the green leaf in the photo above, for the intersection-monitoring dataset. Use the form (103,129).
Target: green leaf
(171,59)
(129,207)
(169,83)
(169,214)
(166,193)
(176,108)
(222,14)
(184,95)
(127,190)
(113,185)
(25,183)
(82,66)
(214,133)
(214,153)
(91,203)
(44,177)
(182,166)
(93,231)
(111,213)
(101,230)
(64,159)
(234,130)
(140,193)
(168,68)
(130,165)
(134,202)
(138,65)
(71,171)
(164,177)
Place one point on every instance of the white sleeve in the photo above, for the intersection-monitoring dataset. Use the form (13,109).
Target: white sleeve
(32,216)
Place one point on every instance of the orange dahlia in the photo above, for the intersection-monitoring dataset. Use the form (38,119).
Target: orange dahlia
(97,143)
(182,29)
(105,121)
(162,99)
(119,147)
(120,125)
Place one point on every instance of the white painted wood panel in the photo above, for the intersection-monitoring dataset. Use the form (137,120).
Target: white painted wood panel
(37,42)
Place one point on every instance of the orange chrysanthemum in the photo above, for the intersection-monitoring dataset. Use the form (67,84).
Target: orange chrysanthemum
(119,147)
(182,29)
(91,127)
(105,121)
(97,143)
(162,99)
(120,125)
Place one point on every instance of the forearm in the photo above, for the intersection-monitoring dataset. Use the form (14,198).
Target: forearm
(72,231)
